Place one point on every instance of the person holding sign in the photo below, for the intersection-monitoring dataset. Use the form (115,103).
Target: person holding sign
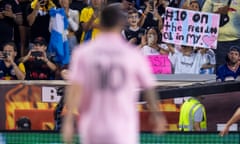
(193,5)
(185,60)
(184,3)
(151,42)
(157,54)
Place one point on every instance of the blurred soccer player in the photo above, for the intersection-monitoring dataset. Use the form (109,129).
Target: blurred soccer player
(104,75)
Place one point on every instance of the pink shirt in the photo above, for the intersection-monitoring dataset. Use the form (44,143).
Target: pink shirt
(109,70)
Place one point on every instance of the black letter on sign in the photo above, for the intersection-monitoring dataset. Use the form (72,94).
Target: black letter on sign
(196,17)
(168,14)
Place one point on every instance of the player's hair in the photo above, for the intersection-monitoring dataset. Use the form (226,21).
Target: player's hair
(113,16)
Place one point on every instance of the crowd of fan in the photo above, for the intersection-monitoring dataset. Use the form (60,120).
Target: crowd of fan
(25,35)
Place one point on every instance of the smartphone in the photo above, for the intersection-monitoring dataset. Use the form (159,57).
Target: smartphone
(36,54)
(6,55)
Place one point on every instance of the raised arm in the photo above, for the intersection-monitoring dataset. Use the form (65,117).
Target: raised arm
(74,21)
(32,16)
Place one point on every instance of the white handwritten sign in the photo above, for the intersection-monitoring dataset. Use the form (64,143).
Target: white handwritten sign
(190,28)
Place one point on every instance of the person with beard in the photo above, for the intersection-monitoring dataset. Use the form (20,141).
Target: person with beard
(230,70)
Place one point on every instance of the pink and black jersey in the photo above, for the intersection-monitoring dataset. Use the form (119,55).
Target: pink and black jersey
(109,71)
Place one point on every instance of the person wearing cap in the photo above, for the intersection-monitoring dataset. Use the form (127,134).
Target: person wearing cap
(10,68)
(230,70)
(102,81)
(38,66)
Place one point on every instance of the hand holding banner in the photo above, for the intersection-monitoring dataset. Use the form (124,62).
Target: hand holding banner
(160,64)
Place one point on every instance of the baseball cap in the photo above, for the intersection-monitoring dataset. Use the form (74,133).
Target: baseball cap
(40,40)
(24,123)
(234,48)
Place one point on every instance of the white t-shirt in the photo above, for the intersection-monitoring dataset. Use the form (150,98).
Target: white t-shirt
(208,58)
(185,64)
(147,50)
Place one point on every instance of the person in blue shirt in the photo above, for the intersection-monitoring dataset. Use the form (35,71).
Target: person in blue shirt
(230,70)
